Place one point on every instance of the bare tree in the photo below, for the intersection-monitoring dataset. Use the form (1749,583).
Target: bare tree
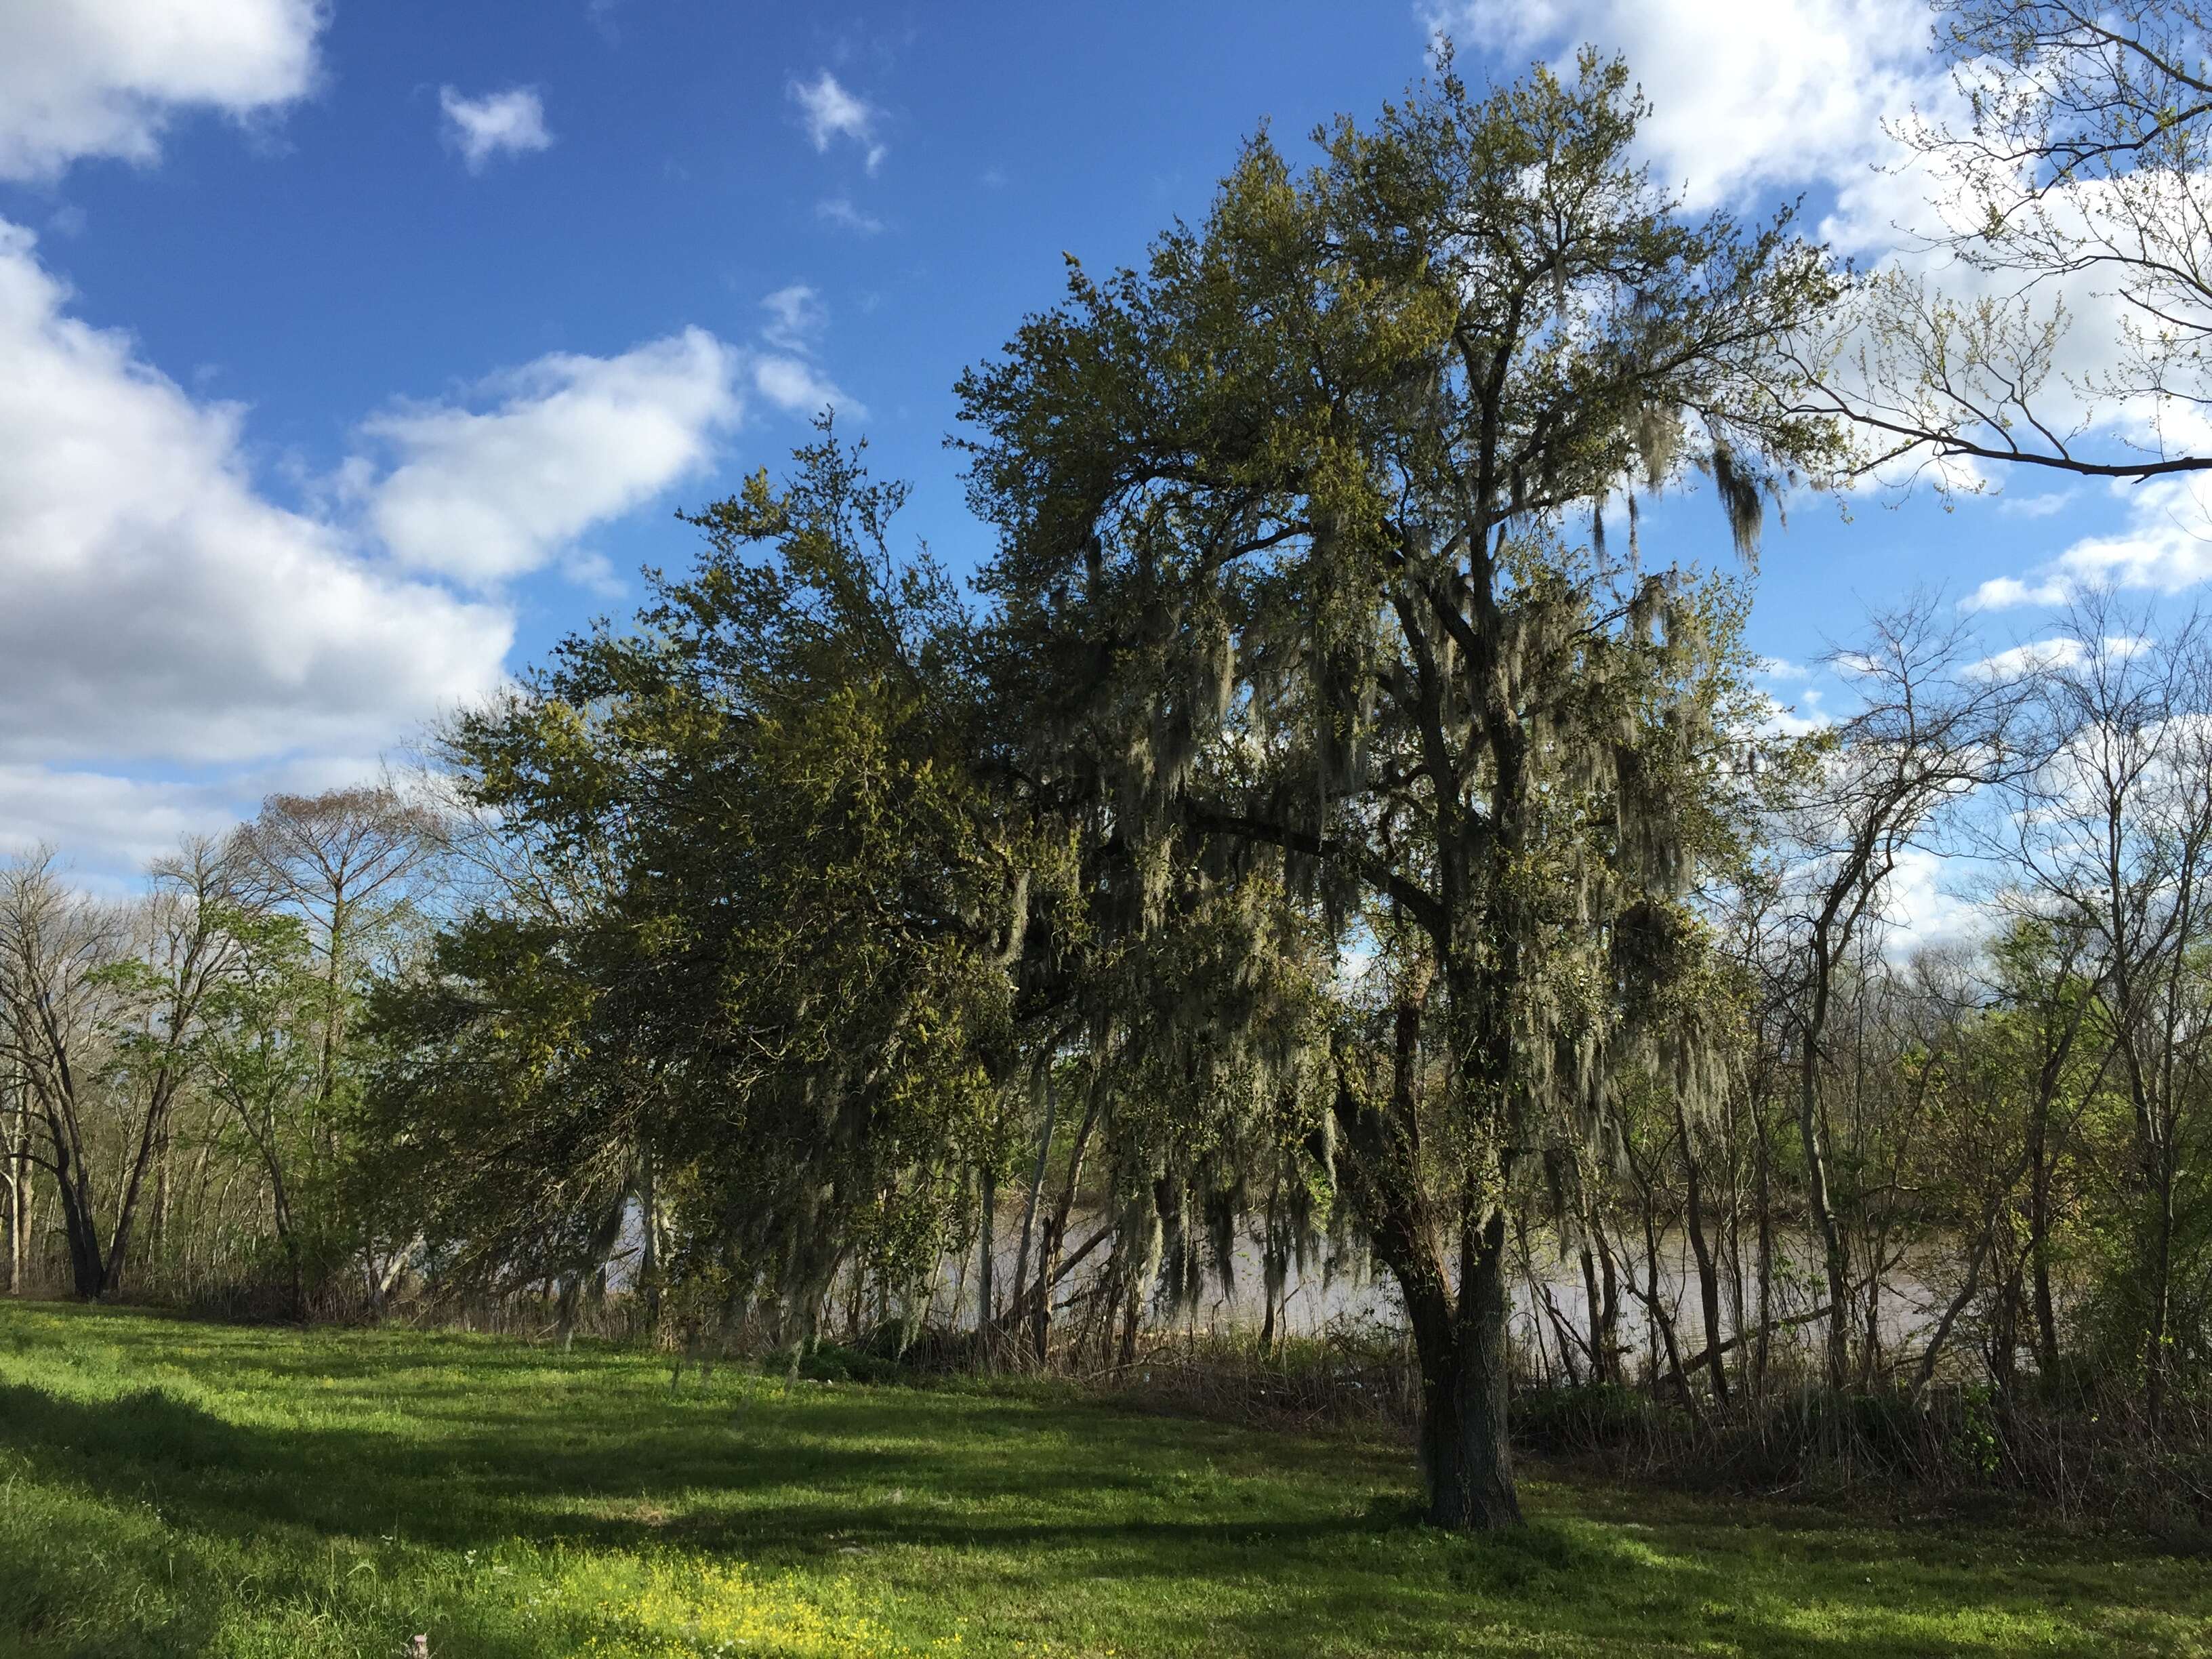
(99,1009)
(343,861)
(1930,734)
(2081,160)
(2114,837)
(184,949)
(54,945)
(18,1196)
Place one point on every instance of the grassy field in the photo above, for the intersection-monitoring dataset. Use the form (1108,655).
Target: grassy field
(172,1488)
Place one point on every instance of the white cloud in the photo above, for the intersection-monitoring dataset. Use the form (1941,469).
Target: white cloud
(500,123)
(1924,910)
(101,77)
(831,113)
(1745,92)
(112,821)
(592,572)
(1752,100)
(1780,719)
(108,827)
(839,211)
(163,611)
(2035,507)
(570,441)
(799,387)
(2038,656)
(2003,592)
(783,375)
(2165,546)
(158,605)
(796,314)
(174,642)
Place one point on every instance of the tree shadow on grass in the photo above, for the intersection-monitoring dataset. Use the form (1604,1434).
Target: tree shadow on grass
(1281,1543)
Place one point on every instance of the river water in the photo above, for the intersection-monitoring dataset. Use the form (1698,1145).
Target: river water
(1547,1290)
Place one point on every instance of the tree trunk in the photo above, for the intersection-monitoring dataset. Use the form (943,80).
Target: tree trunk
(151,1135)
(592,1269)
(15,1172)
(1036,1180)
(2038,1249)
(14,1218)
(1833,1256)
(2155,1341)
(1459,1340)
(1708,1279)
(1131,1311)
(157,1230)
(1763,1190)
(987,1246)
(87,1271)
(1055,1235)
(1870,1360)
(648,1216)
(1600,1347)
(1464,1457)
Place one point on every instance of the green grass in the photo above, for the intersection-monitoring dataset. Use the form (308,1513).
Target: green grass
(174,1488)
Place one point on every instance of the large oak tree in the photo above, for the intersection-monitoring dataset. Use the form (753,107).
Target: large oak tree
(1305,580)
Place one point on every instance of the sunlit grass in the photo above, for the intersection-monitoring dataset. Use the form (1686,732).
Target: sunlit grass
(171,1488)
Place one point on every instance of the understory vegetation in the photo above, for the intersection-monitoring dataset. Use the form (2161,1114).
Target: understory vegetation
(1326,872)
(172,1488)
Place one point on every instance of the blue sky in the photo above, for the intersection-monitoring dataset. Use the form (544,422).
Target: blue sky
(360,350)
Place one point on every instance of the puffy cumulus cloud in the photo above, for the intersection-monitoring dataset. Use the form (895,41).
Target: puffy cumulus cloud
(2037,656)
(161,608)
(107,822)
(2164,546)
(511,123)
(1745,92)
(487,494)
(108,827)
(1924,908)
(102,78)
(2004,592)
(831,113)
(1894,217)
(1780,714)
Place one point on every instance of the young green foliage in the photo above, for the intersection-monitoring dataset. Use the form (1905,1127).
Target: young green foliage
(1292,571)
(764,994)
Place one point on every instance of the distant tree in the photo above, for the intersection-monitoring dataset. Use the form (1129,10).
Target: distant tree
(184,953)
(260,1057)
(20,1216)
(773,998)
(2112,839)
(1932,730)
(54,943)
(100,1011)
(1306,581)
(342,862)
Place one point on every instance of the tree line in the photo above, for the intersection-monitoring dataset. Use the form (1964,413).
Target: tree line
(1319,833)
